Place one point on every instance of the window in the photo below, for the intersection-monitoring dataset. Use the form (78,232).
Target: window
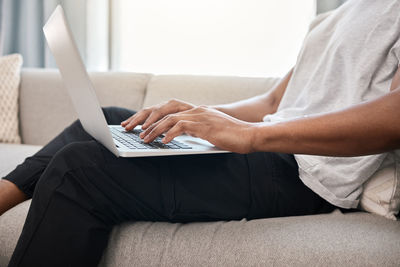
(213,37)
(207,37)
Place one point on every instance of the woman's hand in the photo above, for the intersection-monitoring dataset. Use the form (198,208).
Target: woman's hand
(150,115)
(218,128)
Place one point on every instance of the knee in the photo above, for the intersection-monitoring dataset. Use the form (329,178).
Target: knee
(76,125)
(107,111)
(114,115)
(77,154)
(73,156)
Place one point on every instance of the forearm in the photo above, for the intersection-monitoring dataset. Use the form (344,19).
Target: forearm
(254,109)
(368,128)
(250,110)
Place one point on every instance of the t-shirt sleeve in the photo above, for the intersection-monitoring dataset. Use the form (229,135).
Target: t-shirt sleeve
(318,19)
(396,50)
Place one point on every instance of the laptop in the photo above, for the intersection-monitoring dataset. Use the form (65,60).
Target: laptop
(114,137)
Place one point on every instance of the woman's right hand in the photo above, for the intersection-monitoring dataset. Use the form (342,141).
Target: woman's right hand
(150,115)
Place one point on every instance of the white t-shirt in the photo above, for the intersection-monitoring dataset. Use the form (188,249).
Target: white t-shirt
(349,56)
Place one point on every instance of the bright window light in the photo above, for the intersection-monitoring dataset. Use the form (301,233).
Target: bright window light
(209,37)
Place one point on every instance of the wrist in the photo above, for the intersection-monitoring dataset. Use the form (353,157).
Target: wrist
(266,137)
(255,133)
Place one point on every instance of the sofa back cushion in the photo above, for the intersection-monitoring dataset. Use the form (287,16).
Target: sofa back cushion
(46,109)
(207,90)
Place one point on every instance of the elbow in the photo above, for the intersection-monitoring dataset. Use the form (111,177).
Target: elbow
(390,142)
(273,103)
(397,140)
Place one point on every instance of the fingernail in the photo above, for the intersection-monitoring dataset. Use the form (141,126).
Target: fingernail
(164,140)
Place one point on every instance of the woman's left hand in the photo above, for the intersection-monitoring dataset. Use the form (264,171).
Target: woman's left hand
(218,128)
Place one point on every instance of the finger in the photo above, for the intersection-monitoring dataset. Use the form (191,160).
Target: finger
(167,121)
(150,128)
(170,107)
(138,119)
(160,128)
(181,127)
(197,110)
(159,113)
(125,122)
(153,117)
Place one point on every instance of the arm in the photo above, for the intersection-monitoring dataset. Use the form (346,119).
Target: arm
(367,128)
(255,108)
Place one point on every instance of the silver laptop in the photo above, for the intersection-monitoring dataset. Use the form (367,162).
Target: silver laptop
(80,88)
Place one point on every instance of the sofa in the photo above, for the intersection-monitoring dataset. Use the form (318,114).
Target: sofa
(337,239)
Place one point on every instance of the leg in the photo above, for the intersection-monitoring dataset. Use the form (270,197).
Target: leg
(76,203)
(20,183)
(61,215)
(26,175)
(234,186)
(85,190)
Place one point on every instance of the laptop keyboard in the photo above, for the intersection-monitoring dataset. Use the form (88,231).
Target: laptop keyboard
(132,140)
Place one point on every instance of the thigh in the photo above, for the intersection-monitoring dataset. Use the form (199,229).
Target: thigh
(115,115)
(277,190)
(181,188)
(212,187)
(235,186)
(187,188)
(207,187)
(223,186)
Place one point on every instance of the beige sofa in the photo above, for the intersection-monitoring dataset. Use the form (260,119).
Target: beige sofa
(356,239)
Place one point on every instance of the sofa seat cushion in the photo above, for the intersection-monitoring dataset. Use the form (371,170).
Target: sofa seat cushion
(357,239)
(11,155)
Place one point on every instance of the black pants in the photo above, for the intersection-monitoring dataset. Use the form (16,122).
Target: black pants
(80,191)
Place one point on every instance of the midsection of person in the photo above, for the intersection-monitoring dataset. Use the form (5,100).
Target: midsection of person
(349,57)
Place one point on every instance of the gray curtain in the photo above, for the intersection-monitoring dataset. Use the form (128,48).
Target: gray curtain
(326,5)
(21,23)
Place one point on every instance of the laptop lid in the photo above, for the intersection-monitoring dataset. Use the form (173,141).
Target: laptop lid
(76,78)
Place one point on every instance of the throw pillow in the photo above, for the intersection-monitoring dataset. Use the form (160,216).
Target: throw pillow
(381,193)
(10,67)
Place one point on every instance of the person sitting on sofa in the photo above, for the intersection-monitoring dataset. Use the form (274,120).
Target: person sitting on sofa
(304,148)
